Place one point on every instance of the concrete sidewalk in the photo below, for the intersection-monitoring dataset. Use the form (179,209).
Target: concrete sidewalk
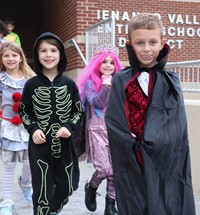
(76,202)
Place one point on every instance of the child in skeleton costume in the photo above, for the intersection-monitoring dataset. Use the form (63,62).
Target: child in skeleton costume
(147,128)
(14,138)
(50,109)
(94,86)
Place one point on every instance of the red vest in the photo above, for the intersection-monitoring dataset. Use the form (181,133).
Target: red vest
(137,106)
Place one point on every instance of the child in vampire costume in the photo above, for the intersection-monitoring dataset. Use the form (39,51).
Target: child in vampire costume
(147,129)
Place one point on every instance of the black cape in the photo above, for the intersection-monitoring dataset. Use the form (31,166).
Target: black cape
(163,185)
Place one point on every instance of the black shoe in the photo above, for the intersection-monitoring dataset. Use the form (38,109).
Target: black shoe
(90,197)
(110,207)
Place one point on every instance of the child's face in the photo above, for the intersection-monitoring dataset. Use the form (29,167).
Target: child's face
(11,60)
(147,45)
(49,56)
(107,67)
(10,27)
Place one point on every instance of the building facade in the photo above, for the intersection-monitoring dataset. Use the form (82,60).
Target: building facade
(70,20)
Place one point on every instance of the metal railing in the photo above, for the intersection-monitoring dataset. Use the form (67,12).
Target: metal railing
(189,74)
(99,34)
(74,43)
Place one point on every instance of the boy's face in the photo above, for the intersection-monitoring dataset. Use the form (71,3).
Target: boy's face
(147,45)
(49,56)
(10,27)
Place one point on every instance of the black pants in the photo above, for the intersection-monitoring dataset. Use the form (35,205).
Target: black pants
(53,178)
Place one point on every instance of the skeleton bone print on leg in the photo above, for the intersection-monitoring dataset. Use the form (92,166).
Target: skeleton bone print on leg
(43,197)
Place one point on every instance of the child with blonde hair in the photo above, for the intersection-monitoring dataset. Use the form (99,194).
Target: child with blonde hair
(13,137)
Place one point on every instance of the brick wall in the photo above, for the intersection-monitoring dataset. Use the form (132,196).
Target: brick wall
(188,50)
(69,19)
(174,14)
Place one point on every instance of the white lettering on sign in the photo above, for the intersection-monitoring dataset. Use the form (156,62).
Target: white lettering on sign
(171,31)
(198,32)
(119,28)
(105,14)
(125,17)
(180,25)
(181,32)
(175,43)
(122,42)
(180,19)
(115,15)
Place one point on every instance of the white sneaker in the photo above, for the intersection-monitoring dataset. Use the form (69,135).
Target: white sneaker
(26,189)
(6,207)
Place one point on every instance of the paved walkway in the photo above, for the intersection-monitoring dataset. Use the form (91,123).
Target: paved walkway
(76,203)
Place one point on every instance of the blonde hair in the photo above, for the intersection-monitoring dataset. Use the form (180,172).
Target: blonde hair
(146,21)
(24,68)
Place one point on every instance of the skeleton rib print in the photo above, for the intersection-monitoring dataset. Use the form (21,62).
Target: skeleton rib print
(43,105)
(43,109)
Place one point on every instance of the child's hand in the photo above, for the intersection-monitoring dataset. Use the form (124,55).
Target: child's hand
(39,137)
(106,79)
(63,132)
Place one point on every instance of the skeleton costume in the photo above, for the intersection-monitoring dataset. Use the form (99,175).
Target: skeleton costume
(48,106)
(152,172)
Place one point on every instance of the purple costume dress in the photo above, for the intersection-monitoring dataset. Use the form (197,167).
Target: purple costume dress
(97,145)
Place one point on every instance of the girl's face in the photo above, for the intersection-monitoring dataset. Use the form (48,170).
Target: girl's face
(147,45)
(49,56)
(107,67)
(11,60)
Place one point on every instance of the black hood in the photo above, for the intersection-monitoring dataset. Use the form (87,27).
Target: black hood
(63,59)
(161,60)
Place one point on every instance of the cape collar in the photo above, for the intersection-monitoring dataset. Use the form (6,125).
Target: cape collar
(161,60)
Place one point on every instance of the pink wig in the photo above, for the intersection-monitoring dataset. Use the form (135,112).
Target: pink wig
(92,70)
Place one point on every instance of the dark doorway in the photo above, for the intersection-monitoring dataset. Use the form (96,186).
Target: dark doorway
(28,20)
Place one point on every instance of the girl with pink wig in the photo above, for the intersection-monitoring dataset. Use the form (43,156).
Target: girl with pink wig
(94,85)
